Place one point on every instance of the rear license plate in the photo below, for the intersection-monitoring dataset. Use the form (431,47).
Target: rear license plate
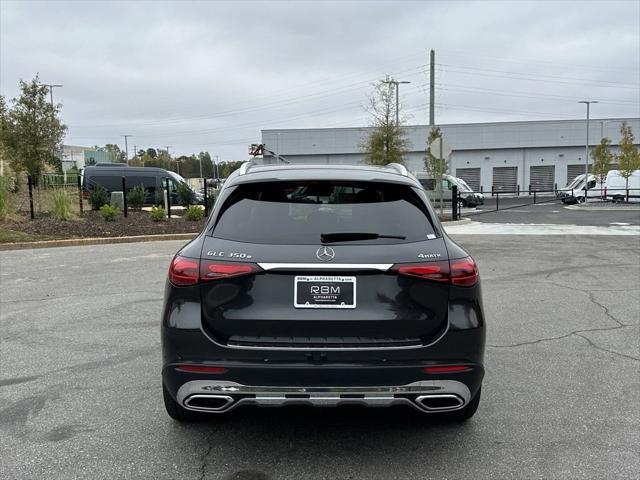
(324,292)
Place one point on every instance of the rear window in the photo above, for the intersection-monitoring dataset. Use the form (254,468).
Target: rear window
(300,212)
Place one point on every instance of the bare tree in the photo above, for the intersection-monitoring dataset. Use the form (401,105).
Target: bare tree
(387,142)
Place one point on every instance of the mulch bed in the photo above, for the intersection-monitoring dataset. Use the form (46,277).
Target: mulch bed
(92,225)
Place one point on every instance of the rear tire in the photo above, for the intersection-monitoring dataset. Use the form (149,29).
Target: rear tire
(177,411)
(464,414)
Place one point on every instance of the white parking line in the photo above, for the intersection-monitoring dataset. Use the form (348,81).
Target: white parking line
(477,228)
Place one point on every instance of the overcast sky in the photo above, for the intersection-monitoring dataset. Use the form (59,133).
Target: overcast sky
(210,75)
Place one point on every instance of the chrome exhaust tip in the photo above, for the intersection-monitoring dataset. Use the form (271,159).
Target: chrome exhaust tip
(208,403)
(443,402)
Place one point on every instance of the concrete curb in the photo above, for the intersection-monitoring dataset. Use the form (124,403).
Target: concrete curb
(455,222)
(603,209)
(74,242)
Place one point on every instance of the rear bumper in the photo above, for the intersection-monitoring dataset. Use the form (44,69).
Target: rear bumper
(217,396)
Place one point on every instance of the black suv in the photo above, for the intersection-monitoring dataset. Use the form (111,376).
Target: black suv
(322,285)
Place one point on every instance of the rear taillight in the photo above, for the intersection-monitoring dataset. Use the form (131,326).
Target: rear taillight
(436,271)
(191,368)
(187,271)
(436,369)
(183,271)
(462,272)
(210,270)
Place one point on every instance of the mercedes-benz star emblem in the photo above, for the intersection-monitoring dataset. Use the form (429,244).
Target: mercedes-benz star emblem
(325,254)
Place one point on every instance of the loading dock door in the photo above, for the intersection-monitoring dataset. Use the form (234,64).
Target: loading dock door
(574,170)
(542,177)
(471,176)
(505,179)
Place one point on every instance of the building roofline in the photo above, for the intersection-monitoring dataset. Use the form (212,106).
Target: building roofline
(518,122)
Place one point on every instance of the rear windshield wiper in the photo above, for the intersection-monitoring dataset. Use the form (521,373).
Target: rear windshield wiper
(353,236)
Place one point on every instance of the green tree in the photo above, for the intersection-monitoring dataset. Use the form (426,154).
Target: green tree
(602,158)
(628,158)
(387,142)
(33,131)
(3,133)
(115,154)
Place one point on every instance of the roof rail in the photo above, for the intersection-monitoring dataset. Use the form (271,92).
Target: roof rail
(398,167)
(244,168)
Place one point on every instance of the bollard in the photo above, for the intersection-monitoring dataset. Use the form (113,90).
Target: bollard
(492,190)
(481,189)
(80,195)
(30,184)
(124,196)
(454,202)
(534,196)
(497,200)
(166,181)
(206,199)
(518,191)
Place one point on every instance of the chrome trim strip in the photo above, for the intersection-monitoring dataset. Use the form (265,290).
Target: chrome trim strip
(383,267)
(372,396)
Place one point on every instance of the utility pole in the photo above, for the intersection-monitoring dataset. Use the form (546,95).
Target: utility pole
(432,87)
(586,149)
(126,147)
(51,87)
(396,83)
(177,164)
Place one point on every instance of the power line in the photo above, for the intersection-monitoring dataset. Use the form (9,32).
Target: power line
(534,77)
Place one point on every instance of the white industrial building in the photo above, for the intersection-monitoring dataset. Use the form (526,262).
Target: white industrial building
(503,156)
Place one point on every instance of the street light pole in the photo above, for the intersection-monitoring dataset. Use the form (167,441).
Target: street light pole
(126,147)
(586,149)
(396,83)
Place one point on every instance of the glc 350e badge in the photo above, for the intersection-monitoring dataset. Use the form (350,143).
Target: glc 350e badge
(325,254)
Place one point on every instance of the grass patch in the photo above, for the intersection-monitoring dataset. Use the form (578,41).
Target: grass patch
(11,236)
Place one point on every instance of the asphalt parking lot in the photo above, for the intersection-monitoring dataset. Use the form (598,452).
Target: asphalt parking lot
(548,210)
(80,368)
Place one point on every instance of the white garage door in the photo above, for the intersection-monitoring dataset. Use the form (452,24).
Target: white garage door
(505,179)
(471,176)
(542,177)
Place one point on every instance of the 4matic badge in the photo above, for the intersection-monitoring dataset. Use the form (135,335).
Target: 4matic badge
(429,255)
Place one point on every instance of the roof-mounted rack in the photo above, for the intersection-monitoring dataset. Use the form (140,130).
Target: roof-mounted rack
(398,167)
(244,168)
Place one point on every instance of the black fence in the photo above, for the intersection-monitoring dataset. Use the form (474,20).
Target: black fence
(209,192)
(537,196)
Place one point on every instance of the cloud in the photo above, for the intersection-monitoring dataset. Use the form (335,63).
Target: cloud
(211,75)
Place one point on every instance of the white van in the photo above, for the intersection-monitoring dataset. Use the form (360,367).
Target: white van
(574,191)
(616,188)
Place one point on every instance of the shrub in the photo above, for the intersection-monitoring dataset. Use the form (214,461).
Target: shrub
(108,212)
(136,196)
(157,214)
(186,196)
(159,197)
(194,213)
(98,197)
(61,208)
(4,198)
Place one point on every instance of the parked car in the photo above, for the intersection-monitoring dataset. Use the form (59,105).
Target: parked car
(467,197)
(322,285)
(153,179)
(616,186)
